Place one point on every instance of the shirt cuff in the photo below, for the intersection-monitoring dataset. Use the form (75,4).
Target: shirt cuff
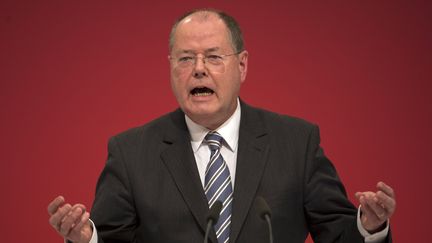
(377,237)
(94,238)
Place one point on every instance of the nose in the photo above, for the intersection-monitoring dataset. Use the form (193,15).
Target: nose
(199,70)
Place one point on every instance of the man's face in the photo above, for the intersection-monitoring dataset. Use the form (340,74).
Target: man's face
(205,93)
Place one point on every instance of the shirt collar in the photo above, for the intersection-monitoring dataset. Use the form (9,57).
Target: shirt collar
(229,130)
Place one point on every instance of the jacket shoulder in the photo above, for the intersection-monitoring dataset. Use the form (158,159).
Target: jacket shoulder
(154,129)
(280,122)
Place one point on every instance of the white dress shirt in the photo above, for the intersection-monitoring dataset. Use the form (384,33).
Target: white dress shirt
(229,130)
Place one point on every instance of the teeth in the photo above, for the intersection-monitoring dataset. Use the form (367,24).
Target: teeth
(202,94)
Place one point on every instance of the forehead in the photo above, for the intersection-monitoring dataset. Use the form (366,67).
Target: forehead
(201,32)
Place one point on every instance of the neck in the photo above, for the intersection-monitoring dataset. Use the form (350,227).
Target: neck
(213,121)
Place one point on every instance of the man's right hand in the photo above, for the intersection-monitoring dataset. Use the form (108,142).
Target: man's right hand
(71,222)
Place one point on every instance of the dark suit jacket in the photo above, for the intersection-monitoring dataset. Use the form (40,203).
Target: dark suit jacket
(150,191)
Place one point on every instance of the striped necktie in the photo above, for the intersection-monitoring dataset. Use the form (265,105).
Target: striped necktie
(218,186)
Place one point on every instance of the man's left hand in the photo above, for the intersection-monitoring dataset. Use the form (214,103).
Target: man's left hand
(376,207)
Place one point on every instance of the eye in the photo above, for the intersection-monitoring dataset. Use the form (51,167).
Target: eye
(185,59)
(214,59)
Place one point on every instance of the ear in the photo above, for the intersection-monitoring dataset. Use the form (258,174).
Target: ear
(243,58)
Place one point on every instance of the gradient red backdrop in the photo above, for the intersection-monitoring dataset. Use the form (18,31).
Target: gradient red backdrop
(74,73)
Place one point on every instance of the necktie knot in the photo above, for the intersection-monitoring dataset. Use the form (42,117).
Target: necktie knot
(214,140)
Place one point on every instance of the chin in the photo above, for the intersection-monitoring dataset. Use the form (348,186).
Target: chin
(199,113)
(202,108)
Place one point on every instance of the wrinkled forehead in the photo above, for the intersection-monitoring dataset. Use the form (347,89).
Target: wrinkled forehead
(201,31)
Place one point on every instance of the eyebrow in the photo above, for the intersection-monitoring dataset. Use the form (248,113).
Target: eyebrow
(213,49)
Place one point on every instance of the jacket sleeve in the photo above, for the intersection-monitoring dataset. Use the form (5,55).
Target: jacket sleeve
(331,216)
(113,210)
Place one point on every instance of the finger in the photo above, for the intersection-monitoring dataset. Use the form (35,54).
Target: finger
(387,202)
(366,210)
(378,210)
(78,205)
(82,230)
(361,199)
(69,221)
(56,219)
(386,189)
(364,194)
(83,221)
(360,194)
(53,206)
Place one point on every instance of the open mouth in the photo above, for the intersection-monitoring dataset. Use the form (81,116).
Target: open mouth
(202,91)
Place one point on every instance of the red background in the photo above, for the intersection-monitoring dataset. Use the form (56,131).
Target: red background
(74,73)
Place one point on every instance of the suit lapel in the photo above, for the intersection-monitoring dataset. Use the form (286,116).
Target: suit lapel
(251,159)
(180,161)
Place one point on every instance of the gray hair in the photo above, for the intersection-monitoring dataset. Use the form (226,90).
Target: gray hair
(234,30)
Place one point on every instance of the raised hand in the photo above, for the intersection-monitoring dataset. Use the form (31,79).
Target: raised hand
(71,222)
(376,207)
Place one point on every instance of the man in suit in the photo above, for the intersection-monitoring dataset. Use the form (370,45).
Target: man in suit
(157,182)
